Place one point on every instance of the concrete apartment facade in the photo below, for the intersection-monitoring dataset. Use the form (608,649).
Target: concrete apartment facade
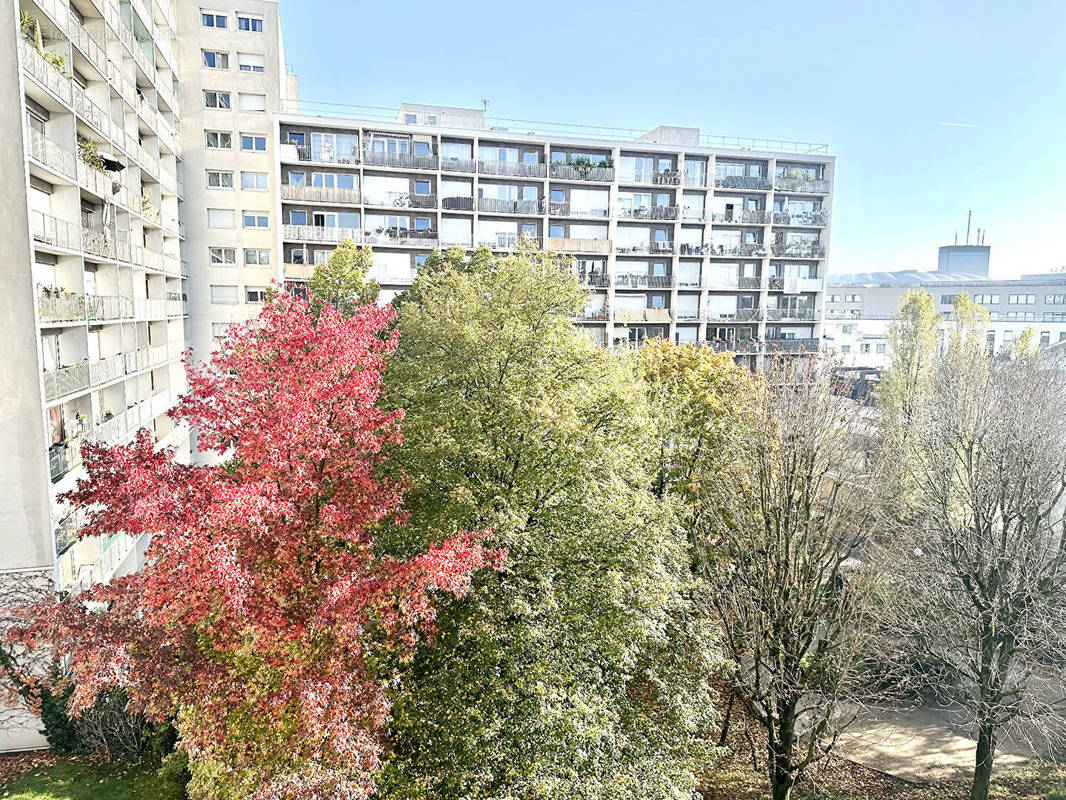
(676,235)
(859,309)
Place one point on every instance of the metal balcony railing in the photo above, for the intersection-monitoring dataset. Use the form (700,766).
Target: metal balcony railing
(567,210)
(457,203)
(53,306)
(63,458)
(327,155)
(448,164)
(495,205)
(65,380)
(801,184)
(52,154)
(105,307)
(793,345)
(692,249)
(643,281)
(626,315)
(401,200)
(56,232)
(594,315)
(597,280)
(318,233)
(44,73)
(749,282)
(748,182)
(571,172)
(753,249)
(399,160)
(648,212)
(320,194)
(516,168)
(501,241)
(402,236)
(805,219)
(646,247)
(106,369)
(798,250)
(744,217)
(567,245)
(802,314)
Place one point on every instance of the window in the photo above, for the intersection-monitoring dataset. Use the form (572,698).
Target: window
(845,348)
(219,329)
(558,196)
(410,119)
(297,139)
(297,179)
(222,256)
(431,119)
(297,217)
(421,187)
(220,218)
(254,24)
(211,20)
(420,261)
(947,299)
(986,299)
(853,298)
(251,102)
(213,99)
(251,62)
(253,143)
(865,348)
(218,140)
(422,148)
(255,294)
(216,59)
(1022,299)
(657,301)
(224,295)
(421,223)
(1054,299)
(255,219)
(254,180)
(880,348)
(556,232)
(256,258)
(218,179)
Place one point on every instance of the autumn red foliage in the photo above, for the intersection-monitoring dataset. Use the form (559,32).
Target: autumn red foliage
(263,613)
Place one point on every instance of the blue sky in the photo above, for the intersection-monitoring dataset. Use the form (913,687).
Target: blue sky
(874,80)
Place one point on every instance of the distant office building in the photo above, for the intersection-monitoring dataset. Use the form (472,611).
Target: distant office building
(859,309)
(969,259)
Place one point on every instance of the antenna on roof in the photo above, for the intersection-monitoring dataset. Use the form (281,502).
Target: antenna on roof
(484,105)
(956,236)
(969,214)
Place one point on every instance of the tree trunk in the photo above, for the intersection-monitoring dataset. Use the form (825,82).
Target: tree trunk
(782,778)
(986,750)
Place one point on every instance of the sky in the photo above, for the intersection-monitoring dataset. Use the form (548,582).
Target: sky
(931,108)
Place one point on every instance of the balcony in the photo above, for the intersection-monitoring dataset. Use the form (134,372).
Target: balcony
(750,282)
(747,217)
(493,205)
(793,345)
(647,212)
(106,369)
(799,250)
(63,458)
(693,249)
(690,214)
(661,248)
(106,307)
(801,184)
(666,177)
(55,232)
(753,249)
(98,242)
(594,315)
(595,280)
(735,315)
(399,160)
(44,73)
(806,219)
(65,380)
(518,169)
(52,154)
(502,241)
(402,200)
(448,164)
(746,346)
(326,155)
(396,236)
(644,281)
(790,314)
(567,210)
(567,245)
(457,203)
(320,233)
(54,306)
(320,194)
(759,183)
(572,172)
(627,315)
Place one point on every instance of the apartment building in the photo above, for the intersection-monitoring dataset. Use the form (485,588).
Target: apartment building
(233,79)
(859,309)
(695,238)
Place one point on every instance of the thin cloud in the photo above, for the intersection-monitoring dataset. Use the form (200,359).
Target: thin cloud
(959,125)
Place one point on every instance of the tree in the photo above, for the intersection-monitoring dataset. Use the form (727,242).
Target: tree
(781,525)
(342,281)
(580,670)
(912,343)
(264,613)
(982,566)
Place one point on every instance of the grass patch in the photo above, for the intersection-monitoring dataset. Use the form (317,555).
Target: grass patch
(69,779)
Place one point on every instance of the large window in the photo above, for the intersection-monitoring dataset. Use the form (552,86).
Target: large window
(1022,299)
(209,19)
(256,219)
(218,140)
(219,179)
(216,59)
(253,143)
(333,180)
(256,181)
(254,24)
(256,258)
(222,256)
(215,99)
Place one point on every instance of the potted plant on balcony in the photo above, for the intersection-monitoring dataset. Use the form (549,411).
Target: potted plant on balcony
(89,153)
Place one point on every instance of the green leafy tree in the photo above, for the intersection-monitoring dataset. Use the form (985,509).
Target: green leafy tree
(342,281)
(580,670)
(912,343)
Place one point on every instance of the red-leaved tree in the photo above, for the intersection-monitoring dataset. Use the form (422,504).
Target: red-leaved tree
(261,619)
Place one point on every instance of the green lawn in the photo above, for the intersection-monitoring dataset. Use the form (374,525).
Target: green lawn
(75,780)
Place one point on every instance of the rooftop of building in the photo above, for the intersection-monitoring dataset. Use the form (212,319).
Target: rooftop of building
(915,277)
(477,119)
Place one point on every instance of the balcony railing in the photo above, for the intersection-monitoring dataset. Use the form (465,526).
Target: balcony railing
(457,203)
(320,194)
(693,249)
(402,236)
(571,172)
(320,233)
(104,307)
(647,212)
(749,182)
(399,160)
(495,205)
(327,155)
(567,245)
(518,169)
(63,458)
(693,214)
(65,380)
(755,249)
(735,315)
(745,217)
(448,164)
(51,153)
(792,345)
(646,247)
(567,210)
(801,184)
(750,282)
(45,74)
(806,218)
(644,281)
(799,250)
(501,241)
(626,315)
(106,369)
(55,232)
(98,242)
(55,307)
(803,314)
(597,280)
(594,315)
(402,200)
(666,177)
(88,45)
